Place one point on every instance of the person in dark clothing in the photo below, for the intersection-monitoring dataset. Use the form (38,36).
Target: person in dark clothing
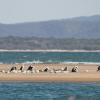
(74,69)
(65,69)
(98,68)
(21,68)
(46,69)
(30,68)
(12,69)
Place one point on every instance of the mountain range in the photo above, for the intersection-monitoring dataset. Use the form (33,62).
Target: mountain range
(77,27)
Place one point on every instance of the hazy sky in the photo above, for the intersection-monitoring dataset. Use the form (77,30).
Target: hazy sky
(14,11)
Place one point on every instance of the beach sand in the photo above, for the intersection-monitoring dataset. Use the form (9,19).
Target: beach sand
(87,73)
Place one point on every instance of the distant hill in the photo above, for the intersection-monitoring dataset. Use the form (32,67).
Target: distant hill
(80,27)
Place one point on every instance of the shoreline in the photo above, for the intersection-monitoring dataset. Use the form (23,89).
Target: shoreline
(53,50)
(36,62)
(86,73)
(72,77)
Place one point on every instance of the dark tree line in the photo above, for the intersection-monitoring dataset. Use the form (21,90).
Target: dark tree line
(48,43)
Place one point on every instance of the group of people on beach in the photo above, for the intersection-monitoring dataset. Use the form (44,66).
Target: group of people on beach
(32,69)
(46,69)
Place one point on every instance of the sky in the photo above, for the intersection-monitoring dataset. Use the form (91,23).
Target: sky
(16,11)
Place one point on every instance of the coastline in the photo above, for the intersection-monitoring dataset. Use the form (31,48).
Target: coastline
(87,70)
(72,77)
(48,50)
(86,73)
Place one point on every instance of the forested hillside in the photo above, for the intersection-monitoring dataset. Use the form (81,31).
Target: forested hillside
(34,43)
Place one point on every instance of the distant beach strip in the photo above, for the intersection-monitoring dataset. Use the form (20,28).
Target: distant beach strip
(52,50)
(50,72)
(49,66)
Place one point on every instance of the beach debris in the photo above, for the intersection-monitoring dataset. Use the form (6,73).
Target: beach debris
(15,71)
(8,72)
(58,71)
(3,71)
(87,70)
(24,72)
(36,71)
(65,70)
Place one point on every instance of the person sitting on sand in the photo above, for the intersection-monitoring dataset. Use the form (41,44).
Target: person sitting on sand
(30,68)
(46,69)
(74,69)
(65,69)
(12,69)
(21,68)
(98,68)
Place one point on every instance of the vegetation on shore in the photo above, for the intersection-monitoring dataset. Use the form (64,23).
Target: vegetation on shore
(37,43)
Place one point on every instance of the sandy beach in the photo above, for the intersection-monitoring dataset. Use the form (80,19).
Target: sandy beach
(86,73)
(48,50)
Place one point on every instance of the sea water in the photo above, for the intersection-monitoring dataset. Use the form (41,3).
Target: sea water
(49,91)
(49,57)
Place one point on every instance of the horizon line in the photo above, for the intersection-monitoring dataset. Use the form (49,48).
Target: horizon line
(19,22)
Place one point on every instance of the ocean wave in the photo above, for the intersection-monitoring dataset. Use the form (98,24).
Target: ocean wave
(38,61)
(50,61)
(31,62)
(1,63)
(65,62)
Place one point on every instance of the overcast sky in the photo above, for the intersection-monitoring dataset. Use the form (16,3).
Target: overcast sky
(15,11)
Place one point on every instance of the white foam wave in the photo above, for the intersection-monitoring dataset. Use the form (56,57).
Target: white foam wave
(79,62)
(31,62)
(1,63)
(51,61)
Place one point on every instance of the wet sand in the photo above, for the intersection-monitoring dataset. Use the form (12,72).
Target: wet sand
(87,73)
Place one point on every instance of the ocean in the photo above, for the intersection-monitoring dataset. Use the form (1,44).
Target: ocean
(49,57)
(49,90)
